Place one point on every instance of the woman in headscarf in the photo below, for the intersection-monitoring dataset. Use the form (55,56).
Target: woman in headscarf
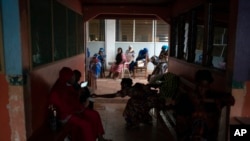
(142,99)
(198,113)
(160,62)
(141,58)
(117,67)
(130,54)
(65,98)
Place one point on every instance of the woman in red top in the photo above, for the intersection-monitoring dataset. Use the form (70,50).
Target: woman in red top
(66,99)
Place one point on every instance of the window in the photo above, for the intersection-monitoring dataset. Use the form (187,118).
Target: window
(71,34)
(124,30)
(219,47)
(97,30)
(162,31)
(200,38)
(80,34)
(60,38)
(199,44)
(143,30)
(180,38)
(41,32)
(55,32)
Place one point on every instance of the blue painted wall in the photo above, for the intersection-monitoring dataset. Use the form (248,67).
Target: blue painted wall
(11,37)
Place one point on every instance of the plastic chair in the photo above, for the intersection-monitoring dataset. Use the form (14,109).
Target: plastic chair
(125,70)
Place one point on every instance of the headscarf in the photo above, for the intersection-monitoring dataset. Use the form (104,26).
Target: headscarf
(142,54)
(65,74)
(101,49)
(164,47)
(145,51)
(131,50)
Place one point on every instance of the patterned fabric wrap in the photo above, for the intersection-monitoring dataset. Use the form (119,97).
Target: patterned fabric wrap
(142,99)
(169,85)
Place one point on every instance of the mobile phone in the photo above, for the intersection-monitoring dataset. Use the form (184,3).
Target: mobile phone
(84,84)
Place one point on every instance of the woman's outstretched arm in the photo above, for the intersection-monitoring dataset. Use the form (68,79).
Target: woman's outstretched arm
(105,95)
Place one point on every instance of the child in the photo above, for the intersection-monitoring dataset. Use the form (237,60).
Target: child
(94,71)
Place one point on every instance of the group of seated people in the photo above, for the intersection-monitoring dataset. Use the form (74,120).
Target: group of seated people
(72,105)
(142,58)
(197,114)
(200,120)
(97,62)
(127,58)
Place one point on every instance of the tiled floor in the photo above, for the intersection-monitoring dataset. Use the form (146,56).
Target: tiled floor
(111,113)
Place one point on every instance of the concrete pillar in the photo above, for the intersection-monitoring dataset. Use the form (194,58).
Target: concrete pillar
(13,68)
(110,50)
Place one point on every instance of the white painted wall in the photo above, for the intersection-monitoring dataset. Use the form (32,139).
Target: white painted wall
(94,46)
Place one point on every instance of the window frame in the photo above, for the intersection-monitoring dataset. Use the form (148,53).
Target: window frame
(100,33)
(139,31)
(76,25)
(153,29)
(177,36)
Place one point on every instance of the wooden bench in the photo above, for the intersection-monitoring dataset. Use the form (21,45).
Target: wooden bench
(168,118)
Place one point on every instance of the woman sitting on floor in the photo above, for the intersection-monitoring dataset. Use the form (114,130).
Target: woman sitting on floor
(117,67)
(140,102)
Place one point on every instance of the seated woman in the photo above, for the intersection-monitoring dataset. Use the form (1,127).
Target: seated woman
(91,115)
(130,54)
(142,55)
(199,112)
(140,60)
(163,56)
(65,98)
(140,102)
(117,67)
(160,63)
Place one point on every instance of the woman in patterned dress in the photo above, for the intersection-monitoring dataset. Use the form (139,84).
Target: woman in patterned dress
(142,99)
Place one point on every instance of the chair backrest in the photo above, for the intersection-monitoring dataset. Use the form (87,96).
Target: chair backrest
(143,63)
